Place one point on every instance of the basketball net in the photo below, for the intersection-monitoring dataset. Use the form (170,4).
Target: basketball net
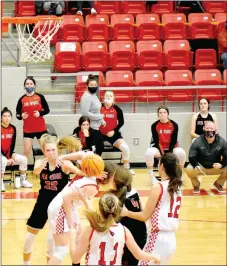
(35,44)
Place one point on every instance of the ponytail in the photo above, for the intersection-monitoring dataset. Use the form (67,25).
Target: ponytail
(173,170)
(110,211)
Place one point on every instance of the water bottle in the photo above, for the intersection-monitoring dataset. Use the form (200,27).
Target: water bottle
(17,181)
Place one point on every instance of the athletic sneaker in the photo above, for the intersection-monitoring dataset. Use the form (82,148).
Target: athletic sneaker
(93,11)
(196,190)
(127,166)
(219,187)
(3,187)
(25,183)
(80,13)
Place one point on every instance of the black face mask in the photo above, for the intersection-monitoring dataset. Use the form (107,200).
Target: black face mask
(92,90)
(209,134)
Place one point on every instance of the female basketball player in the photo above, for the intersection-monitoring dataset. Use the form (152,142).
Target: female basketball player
(8,155)
(52,180)
(90,106)
(85,133)
(103,241)
(162,208)
(164,134)
(63,210)
(199,119)
(114,119)
(31,107)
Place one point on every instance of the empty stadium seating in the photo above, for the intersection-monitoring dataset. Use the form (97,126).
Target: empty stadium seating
(67,57)
(174,26)
(163,7)
(145,78)
(123,26)
(97,28)
(122,55)
(221,19)
(72,29)
(177,54)
(205,58)
(149,54)
(121,79)
(148,27)
(133,7)
(24,8)
(201,26)
(107,7)
(215,6)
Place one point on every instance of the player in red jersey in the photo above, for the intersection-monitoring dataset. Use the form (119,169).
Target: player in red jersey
(31,107)
(162,209)
(114,118)
(8,155)
(164,139)
(103,240)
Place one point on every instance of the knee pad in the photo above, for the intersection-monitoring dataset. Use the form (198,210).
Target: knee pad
(125,151)
(149,156)
(50,245)
(61,252)
(181,155)
(29,242)
(4,164)
(22,161)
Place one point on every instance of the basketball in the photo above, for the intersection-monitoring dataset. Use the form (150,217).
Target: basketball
(92,165)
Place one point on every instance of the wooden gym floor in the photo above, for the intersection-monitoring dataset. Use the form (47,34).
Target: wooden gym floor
(201,237)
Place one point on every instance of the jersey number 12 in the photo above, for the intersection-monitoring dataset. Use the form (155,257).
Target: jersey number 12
(174,207)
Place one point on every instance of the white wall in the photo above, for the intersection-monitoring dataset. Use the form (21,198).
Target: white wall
(136,125)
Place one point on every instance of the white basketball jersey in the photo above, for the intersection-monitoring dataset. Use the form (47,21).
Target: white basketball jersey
(106,248)
(165,214)
(77,182)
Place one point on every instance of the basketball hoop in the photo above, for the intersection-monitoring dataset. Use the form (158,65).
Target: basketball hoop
(35,43)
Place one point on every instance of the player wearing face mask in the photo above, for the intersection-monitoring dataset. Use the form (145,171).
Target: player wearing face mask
(208,155)
(31,108)
(114,118)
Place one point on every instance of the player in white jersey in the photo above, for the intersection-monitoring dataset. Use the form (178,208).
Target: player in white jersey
(162,208)
(63,212)
(104,240)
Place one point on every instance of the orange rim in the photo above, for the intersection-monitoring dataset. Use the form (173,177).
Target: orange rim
(27,20)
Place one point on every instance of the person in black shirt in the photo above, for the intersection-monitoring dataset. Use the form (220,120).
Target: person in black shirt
(85,133)
(208,155)
(53,179)
(199,119)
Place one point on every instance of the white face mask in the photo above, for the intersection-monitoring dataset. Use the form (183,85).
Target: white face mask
(108,101)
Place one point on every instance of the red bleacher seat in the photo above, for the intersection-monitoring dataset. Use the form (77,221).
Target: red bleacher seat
(147,27)
(81,85)
(214,6)
(205,58)
(201,26)
(162,7)
(97,27)
(121,79)
(133,7)
(209,77)
(177,54)
(107,7)
(221,19)
(145,78)
(67,57)
(123,26)
(24,8)
(122,55)
(179,78)
(149,54)
(95,56)
(174,26)
(72,29)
